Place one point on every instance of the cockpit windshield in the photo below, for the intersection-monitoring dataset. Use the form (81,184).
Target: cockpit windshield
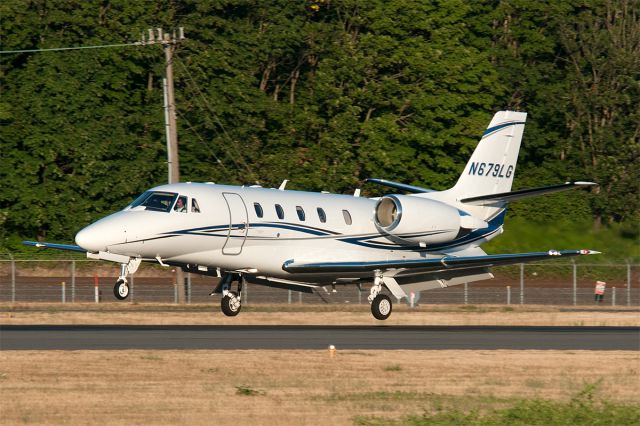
(155,200)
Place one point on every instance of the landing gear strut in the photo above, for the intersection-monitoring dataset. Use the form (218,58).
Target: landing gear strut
(121,288)
(231,302)
(381,305)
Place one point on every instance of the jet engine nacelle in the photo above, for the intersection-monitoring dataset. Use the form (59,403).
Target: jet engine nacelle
(408,219)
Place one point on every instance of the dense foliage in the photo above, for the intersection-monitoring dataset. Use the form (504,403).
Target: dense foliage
(325,93)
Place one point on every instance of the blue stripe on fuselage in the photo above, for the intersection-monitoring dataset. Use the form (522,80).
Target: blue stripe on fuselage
(363,241)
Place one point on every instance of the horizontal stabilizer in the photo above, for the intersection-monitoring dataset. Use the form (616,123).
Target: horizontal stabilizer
(440,264)
(400,186)
(55,246)
(524,193)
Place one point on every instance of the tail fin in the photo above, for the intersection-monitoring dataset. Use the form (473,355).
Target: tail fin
(493,163)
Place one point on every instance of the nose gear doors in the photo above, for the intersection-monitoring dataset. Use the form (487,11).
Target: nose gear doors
(238,224)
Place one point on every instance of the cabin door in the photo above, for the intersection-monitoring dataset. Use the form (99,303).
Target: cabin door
(238,224)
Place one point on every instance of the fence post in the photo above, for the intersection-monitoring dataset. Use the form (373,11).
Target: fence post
(508,295)
(613,296)
(73,281)
(96,288)
(13,280)
(628,283)
(289,297)
(131,297)
(300,297)
(175,292)
(522,283)
(466,293)
(189,288)
(64,291)
(575,282)
(359,295)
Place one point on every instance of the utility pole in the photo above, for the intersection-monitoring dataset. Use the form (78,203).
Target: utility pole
(169,43)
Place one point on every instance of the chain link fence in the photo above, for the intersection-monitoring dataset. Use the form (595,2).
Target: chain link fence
(70,281)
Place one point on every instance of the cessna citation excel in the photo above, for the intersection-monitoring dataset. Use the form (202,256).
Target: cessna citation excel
(303,241)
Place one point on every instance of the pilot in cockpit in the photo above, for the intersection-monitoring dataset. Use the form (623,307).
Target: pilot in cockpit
(181,205)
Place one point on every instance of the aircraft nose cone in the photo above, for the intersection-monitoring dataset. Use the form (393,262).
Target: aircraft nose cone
(101,235)
(89,239)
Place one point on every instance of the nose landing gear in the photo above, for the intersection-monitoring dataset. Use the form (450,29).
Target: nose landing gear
(121,288)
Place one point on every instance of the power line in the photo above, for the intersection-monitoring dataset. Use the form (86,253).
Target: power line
(204,142)
(153,38)
(57,49)
(217,120)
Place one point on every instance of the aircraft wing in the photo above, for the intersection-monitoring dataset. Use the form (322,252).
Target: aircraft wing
(68,247)
(445,263)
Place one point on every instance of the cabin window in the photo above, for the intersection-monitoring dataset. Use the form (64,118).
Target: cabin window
(347,217)
(195,208)
(181,205)
(258,209)
(279,211)
(321,215)
(300,212)
(155,201)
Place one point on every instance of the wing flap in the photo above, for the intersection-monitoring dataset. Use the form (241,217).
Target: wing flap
(282,284)
(440,264)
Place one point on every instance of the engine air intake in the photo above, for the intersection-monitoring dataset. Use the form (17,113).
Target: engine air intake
(387,212)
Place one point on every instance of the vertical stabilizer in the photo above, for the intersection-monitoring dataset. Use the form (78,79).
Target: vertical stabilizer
(493,164)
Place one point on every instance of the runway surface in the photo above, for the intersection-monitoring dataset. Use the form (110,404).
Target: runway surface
(78,337)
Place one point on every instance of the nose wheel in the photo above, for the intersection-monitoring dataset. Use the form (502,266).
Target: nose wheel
(121,289)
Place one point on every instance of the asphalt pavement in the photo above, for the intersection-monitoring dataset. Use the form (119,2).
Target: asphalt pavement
(121,337)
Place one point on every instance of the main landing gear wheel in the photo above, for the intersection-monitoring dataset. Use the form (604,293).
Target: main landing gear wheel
(381,307)
(230,304)
(121,289)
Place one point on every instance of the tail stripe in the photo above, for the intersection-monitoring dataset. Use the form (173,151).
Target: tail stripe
(500,126)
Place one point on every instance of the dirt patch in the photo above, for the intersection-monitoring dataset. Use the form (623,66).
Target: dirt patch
(293,387)
(259,314)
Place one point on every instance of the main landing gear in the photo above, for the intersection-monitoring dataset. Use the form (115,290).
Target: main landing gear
(121,288)
(231,302)
(381,305)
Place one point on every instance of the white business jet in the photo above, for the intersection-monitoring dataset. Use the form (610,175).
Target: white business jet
(303,241)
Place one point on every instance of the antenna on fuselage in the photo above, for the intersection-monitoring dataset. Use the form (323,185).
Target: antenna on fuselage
(356,193)
(283,184)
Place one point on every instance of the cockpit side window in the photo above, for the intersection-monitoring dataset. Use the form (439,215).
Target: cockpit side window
(195,208)
(156,201)
(181,204)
